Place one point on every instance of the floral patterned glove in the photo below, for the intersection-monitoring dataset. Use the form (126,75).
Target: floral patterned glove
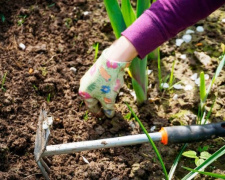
(101,83)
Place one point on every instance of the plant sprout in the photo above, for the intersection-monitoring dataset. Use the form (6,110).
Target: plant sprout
(121,18)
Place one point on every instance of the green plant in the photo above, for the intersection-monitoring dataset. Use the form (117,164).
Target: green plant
(206,173)
(198,159)
(206,163)
(21,20)
(2,17)
(121,18)
(150,141)
(86,116)
(204,94)
(171,78)
(95,46)
(49,97)
(3,82)
(221,151)
(127,116)
(68,22)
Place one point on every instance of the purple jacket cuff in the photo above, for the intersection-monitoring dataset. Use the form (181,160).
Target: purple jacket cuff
(164,19)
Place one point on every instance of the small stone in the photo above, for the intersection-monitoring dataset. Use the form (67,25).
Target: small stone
(189,31)
(149,72)
(197,81)
(187,38)
(134,95)
(85,13)
(183,56)
(179,42)
(194,76)
(200,29)
(121,93)
(178,86)
(165,85)
(206,76)
(188,87)
(73,69)
(22,46)
(223,20)
(175,97)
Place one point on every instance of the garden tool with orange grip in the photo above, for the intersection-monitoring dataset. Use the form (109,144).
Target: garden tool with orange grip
(167,135)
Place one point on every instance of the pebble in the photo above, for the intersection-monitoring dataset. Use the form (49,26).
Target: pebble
(134,95)
(194,76)
(165,85)
(223,20)
(197,81)
(175,97)
(189,31)
(206,76)
(187,38)
(22,46)
(188,87)
(178,86)
(85,13)
(179,42)
(200,29)
(121,93)
(73,69)
(183,56)
(149,72)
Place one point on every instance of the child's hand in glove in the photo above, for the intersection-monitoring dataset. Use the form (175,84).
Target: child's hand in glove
(101,84)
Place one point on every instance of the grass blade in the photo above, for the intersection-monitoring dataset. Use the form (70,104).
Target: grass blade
(151,142)
(206,173)
(171,75)
(128,12)
(159,71)
(142,5)
(115,16)
(95,46)
(202,88)
(206,163)
(219,68)
(175,163)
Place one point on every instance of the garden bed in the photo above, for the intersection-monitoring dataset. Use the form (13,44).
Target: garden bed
(58,38)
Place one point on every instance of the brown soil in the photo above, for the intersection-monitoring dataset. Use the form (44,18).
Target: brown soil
(58,35)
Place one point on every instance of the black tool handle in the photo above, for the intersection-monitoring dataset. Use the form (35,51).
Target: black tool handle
(193,133)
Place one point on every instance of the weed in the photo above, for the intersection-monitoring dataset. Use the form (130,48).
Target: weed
(44,71)
(68,22)
(198,159)
(95,46)
(49,97)
(127,116)
(2,17)
(86,116)
(21,20)
(3,82)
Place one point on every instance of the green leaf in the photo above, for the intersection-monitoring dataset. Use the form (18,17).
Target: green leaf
(222,176)
(142,5)
(190,154)
(202,87)
(219,68)
(115,16)
(206,163)
(198,161)
(175,163)
(205,155)
(2,17)
(150,141)
(128,12)
(171,75)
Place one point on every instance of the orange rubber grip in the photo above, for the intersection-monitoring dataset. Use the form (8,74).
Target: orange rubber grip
(164,139)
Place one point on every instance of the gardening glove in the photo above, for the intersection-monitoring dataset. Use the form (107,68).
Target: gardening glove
(101,84)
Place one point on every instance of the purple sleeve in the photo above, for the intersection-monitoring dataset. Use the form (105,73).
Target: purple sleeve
(164,19)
